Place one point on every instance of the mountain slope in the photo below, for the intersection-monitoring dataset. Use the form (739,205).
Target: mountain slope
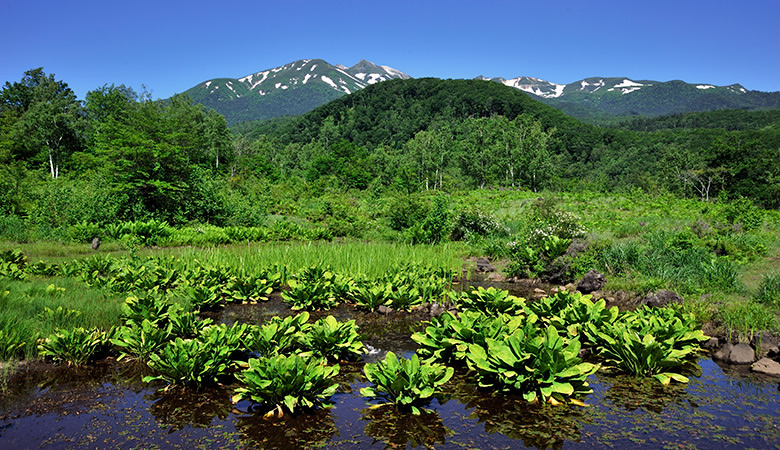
(391,113)
(602,98)
(292,89)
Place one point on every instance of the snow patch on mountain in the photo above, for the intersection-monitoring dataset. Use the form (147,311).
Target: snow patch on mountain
(394,72)
(329,81)
(705,86)
(627,86)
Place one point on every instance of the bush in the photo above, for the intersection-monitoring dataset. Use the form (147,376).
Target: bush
(769,290)
(405,211)
(471,223)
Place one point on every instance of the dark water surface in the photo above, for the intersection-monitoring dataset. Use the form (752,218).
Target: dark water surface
(107,406)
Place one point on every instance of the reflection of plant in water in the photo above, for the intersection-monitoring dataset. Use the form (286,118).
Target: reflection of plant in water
(183,407)
(634,393)
(311,430)
(537,425)
(399,429)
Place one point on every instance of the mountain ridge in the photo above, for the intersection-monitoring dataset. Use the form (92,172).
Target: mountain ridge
(300,86)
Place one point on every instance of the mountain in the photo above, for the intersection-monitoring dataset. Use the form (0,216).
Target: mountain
(391,113)
(289,90)
(599,99)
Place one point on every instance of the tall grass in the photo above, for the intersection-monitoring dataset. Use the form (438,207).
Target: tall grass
(35,308)
(371,259)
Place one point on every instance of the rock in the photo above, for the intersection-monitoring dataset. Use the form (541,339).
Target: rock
(570,287)
(496,276)
(539,291)
(742,353)
(773,352)
(661,298)
(437,309)
(483,266)
(767,367)
(95,243)
(384,309)
(712,344)
(724,352)
(592,281)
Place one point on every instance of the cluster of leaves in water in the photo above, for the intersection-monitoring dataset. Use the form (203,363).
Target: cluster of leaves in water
(535,351)
(318,287)
(405,382)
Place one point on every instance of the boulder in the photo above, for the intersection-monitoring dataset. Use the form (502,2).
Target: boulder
(712,344)
(483,266)
(773,352)
(724,352)
(592,281)
(437,309)
(384,310)
(742,353)
(767,367)
(661,298)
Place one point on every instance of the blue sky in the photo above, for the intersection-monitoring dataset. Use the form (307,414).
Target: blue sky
(170,46)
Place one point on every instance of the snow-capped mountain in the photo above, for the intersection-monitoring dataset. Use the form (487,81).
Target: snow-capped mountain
(300,86)
(292,89)
(621,96)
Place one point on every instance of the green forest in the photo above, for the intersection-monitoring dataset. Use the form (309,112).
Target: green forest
(120,156)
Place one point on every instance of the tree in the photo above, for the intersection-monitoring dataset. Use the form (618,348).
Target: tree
(48,119)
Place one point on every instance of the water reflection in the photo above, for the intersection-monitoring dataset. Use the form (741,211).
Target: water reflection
(537,425)
(306,430)
(632,393)
(181,408)
(399,429)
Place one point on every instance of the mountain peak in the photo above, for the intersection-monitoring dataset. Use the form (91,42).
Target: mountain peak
(308,82)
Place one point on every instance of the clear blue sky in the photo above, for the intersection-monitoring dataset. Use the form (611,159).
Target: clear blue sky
(170,46)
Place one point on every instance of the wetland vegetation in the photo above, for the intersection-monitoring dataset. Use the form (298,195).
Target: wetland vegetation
(287,287)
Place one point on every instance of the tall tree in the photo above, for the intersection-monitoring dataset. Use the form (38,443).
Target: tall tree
(48,119)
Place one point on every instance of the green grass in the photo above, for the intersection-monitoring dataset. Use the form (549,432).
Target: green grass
(23,311)
(372,259)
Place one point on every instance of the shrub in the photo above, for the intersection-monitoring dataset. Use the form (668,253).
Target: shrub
(471,223)
(769,290)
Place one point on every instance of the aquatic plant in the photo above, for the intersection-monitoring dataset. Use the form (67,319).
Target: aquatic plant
(372,297)
(407,383)
(151,306)
(191,362)
(447,338)
(540,365)
(490,301)
(76,346)
(278,336)
(285,383)
(333,340)
(140,340)
(310,295)
(643,355)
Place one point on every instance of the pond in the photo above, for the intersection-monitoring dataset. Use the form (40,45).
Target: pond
(107,405)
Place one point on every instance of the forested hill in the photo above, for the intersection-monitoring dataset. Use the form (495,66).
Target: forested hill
(729,119)
(392,112)
(473,133)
